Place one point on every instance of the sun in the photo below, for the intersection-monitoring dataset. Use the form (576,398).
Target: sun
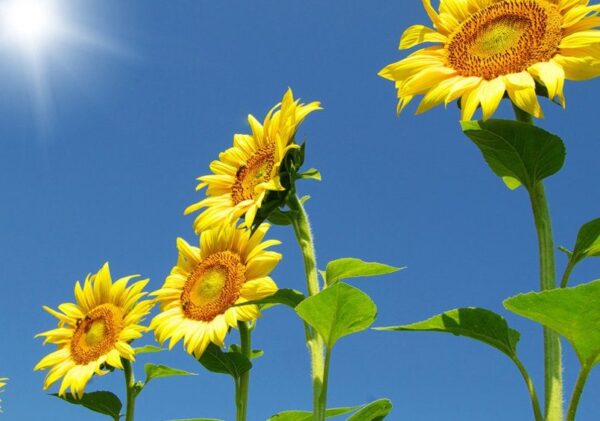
(30,23)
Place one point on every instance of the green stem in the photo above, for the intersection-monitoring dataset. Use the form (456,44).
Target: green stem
(553,382)
(537,412)
(581,379)
(130,387)
(323,395)
(565,278)
(313,339)
(242,385)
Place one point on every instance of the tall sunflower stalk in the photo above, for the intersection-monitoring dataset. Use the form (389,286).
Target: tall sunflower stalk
(256,180)
(483,51)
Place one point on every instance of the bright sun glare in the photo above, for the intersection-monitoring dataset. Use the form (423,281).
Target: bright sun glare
(29,23)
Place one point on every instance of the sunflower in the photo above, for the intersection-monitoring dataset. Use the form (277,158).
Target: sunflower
(246,172)
(95,331)
(198,298)
(485,48)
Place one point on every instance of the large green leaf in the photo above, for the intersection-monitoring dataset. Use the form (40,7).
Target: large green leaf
(374,411)
(155,371)
(106,403)
(572,312)
(307,415)
(288,297)
(350,267)
(516,151)
(475,323)
(198,419)
(588,241)
(337,311)
(217,361)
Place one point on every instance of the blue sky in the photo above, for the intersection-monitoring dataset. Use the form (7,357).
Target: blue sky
(104,171)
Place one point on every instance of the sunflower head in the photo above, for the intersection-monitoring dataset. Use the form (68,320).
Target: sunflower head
(246,172)
(94,331)
(200,299)
(486,48)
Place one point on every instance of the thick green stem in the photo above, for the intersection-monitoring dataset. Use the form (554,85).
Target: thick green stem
(537,412)
(553,385)
(242,385)
(323,395)
(565,278)
(313,339)
(581,379)
(552,347)
(130,387)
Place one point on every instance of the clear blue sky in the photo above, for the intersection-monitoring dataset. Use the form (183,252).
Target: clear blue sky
(106,171)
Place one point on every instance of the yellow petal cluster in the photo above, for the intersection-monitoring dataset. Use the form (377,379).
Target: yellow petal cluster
(483,49)
(94,331)
(200,300)
(246,172)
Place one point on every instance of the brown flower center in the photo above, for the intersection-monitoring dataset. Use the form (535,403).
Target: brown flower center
(213,286)
(506,37)
(256,170)
(97,333)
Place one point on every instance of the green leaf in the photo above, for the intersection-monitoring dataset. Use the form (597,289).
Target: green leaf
(588,241)
(350,267)
(288,297)
(217,361)
(147,349)
(572,312)
(311,174)
(516,151)
(374,411)
(337,311)
(279,217)
(255,353)
(156,371)
(105,403)
(307,415)
(475,323)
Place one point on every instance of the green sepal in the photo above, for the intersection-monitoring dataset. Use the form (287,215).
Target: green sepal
(572,312)
(102,402)
(517,152)
(471,322)
(350,267)
(233,363)
(337,311)
(310,174)
(147,349)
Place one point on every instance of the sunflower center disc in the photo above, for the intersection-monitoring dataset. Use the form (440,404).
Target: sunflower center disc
(213,286)
(257,170)
(97,333)
(506,37)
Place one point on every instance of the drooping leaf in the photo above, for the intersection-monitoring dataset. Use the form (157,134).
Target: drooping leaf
(337,311)
(279,217)
(217,361)
(255,353)
(475,323)
(288,297)
(147,349)
(588,241)
(307,415)
(106,403)
(350,267)
(374,411)
(516,151)
(156,371)
(572,312)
